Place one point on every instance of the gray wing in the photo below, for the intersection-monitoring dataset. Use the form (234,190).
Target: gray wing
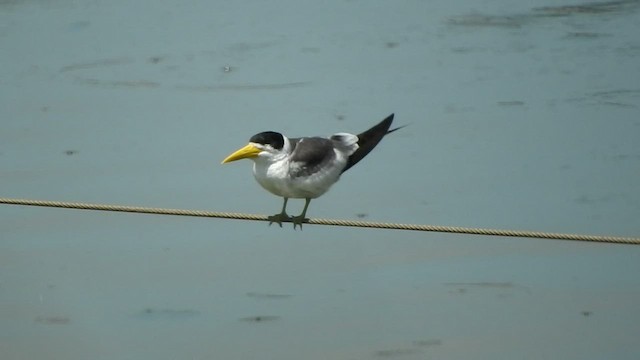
(310,155)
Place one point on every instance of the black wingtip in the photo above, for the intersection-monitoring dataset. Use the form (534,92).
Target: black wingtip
(369,139)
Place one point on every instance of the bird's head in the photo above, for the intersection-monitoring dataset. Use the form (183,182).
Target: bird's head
(266,145)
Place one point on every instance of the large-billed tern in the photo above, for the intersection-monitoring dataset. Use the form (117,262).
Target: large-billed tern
(305,168)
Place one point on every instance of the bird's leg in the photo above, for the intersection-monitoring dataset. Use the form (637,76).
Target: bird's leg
(279,218)
(298,220)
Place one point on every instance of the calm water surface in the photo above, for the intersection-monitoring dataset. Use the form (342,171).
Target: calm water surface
(520,116)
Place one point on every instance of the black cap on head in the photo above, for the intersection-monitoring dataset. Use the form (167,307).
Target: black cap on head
(276,140)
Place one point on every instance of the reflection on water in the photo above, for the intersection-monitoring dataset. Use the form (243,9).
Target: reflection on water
(260,318)
(268,296)
(53,320)
(536,13)
(166,314)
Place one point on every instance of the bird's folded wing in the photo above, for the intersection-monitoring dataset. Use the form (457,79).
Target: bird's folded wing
(310,155)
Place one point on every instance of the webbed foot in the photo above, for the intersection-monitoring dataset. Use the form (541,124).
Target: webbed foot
(298,221)
(279,218)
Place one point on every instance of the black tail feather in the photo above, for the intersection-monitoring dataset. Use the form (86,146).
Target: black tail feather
(369,139)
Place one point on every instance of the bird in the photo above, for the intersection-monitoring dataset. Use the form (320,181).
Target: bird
(306,167)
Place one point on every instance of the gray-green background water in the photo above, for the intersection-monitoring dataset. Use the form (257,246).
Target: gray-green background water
(521,116)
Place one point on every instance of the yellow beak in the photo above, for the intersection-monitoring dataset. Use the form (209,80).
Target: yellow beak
(248,151)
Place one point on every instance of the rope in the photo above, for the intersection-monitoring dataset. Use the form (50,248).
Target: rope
(333,222)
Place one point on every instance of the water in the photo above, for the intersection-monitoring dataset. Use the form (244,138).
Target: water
(521,116)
